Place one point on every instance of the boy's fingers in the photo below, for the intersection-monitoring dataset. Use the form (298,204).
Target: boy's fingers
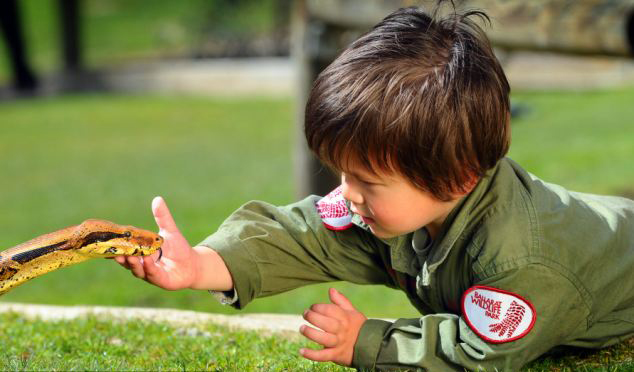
(328,324)
(329,310)
(320,337)
(154,257)
(149,265)
(338,298)
(324,355)
(162,215)
(119,259)
(136,266)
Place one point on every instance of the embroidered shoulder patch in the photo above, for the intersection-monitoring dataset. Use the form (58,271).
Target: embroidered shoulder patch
(333,211)
(497,316)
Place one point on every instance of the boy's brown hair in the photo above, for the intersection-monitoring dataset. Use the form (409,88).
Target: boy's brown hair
(419,95)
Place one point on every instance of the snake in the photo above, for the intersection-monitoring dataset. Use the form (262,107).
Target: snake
(92,238)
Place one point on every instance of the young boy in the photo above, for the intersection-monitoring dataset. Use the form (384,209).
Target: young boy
(504,267)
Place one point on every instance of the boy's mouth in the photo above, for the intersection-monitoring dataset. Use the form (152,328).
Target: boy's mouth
(367,220)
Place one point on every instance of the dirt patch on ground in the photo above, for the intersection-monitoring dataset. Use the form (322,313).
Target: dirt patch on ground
(280,324)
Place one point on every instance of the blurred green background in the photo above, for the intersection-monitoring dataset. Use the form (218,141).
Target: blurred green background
(76,156)
(115,32)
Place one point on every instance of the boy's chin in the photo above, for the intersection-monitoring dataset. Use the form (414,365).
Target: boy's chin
(385,234)
(379,233)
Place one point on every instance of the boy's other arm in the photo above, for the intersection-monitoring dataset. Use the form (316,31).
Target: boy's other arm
(180,266)
(446,342)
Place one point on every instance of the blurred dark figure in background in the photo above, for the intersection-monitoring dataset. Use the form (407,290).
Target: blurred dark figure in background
(10,22)
(70,26)
(24,79)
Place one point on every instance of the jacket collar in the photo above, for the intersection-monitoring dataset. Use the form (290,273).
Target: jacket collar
(403,256)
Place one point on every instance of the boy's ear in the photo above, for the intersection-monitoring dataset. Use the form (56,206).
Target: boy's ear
(469,185)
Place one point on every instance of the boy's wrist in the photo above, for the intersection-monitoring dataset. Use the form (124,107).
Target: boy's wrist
(196,261)
(210,271)
(366,349)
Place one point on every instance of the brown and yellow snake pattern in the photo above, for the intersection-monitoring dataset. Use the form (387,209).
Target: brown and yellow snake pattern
(75,244)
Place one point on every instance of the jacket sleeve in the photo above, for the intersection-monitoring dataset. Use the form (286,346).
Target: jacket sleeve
(446,342)
(270,249)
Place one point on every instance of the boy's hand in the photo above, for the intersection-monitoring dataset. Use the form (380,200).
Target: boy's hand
(177,267)
(340,323)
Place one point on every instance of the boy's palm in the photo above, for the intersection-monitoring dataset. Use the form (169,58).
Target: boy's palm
(176,267)
(339,324)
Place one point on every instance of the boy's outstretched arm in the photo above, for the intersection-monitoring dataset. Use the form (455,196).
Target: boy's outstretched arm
(340,323)
(180,266)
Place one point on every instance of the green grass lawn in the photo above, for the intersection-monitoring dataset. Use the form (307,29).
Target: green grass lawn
(98,344)
(92,344)
(71,158)
(583,141)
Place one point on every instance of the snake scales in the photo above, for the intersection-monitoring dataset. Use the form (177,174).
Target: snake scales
(91,239)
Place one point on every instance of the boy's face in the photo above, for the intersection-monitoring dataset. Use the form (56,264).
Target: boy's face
(390,204)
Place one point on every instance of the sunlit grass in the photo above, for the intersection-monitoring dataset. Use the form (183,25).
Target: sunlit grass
(91,344)
(583,141)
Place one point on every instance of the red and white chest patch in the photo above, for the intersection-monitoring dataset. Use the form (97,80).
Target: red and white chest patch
(497,316)
(333,211)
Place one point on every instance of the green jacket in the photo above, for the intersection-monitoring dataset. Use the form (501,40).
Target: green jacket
(519,266)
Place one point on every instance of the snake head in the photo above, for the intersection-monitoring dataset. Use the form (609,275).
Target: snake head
(101,238)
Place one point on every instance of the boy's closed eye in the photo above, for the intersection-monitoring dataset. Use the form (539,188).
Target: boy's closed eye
(362,180)
(370,183)
(366,181)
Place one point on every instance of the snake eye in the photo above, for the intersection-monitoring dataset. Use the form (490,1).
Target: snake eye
(127,234)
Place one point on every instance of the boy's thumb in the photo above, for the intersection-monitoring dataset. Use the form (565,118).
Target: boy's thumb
(162,215)
(338,298)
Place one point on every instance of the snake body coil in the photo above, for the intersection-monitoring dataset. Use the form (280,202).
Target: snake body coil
(75,244)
